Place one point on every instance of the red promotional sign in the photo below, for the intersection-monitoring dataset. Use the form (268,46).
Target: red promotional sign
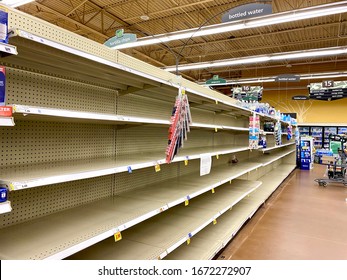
(5,111)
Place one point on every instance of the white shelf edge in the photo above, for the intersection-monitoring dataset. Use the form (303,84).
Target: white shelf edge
(50,43)
(277,158)
(91,241)
(5,207)
(238,200)
(277,147)
(7,48)
(7,121)
(19,185)
(68,114)
(235,128)
(230,236)
(142,218)
(209,221)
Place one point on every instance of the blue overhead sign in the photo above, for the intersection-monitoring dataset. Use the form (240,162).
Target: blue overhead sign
(247,11)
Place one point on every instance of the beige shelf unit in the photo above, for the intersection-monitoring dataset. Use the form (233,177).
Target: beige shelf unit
(179,223)
(208,242)
(70,152)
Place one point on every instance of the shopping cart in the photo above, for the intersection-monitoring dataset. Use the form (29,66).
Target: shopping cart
(335,173)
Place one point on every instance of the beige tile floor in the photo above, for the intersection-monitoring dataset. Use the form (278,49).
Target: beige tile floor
(300,221)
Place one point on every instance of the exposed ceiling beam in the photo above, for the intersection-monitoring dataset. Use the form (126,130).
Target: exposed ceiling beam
(181,7)
(75,8)
(81,25)
(254,36)
(267,46)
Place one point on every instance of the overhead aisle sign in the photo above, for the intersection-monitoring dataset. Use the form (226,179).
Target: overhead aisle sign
(248,93)
(247,11)
(328,90)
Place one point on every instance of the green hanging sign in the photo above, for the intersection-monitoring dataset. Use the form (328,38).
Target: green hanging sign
(215,80)
(120,38)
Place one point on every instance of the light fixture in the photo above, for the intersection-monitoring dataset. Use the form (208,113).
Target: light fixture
(288,16)
(261,58)
(325,75)
(15,3)
(144,17)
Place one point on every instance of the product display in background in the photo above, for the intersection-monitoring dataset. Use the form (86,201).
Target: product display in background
(306,153)
(262,142)
(3,193)
(289,132)
(180,121)
(3,26)
(278,134)
(2,86)
(254,130)
(269,127)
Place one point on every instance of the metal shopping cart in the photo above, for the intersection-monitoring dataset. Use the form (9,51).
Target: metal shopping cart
(335,172)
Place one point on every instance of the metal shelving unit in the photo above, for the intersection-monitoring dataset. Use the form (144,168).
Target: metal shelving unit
(90,125)
(30,176)
(207,243)
(180,223)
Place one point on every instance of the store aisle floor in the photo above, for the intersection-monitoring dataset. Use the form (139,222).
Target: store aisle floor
(300,221)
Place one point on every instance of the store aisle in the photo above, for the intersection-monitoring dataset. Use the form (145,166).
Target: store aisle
(300,221)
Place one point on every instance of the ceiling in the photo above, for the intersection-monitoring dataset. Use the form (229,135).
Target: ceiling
(99,19)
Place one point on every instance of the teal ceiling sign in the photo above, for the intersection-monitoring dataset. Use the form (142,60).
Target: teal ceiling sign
(120,38)
(215,80)
(247,11)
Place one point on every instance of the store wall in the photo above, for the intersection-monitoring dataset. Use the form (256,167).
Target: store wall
(309,111)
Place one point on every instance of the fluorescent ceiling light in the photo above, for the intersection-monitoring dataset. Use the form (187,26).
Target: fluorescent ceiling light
(261,58)
(326,75)
(288,16)
(15,3)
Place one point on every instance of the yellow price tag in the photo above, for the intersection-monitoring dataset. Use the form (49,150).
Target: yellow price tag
(186,202)
(214,221)
(11,187)
(188,241)
(216,129)
(159,258)
(185,162)
(213,190)
(231,208)
(117,236)
(157,168)
(183,91)
(217,156)
(216,102)
(230,182)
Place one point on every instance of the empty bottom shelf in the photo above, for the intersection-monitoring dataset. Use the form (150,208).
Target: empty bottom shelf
(208,242)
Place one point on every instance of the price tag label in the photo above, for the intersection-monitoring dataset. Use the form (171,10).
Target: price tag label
(216,129)
(130,170)
(186,202)
(216,102)
(11,187)
(117,236)
(213,190)
(185,162)
(157,168)
(214,221)
(217,156)
(188,241)
(230,182)
(183,91)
